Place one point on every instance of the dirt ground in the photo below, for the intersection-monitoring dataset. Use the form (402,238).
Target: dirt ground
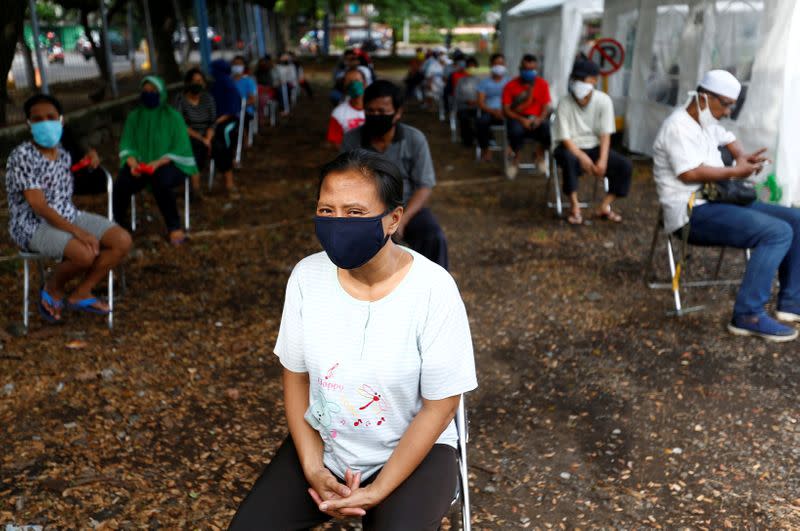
(595,408)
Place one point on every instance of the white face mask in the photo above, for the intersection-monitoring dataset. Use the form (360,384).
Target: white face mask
(580,89)
(499,70)
(237,70)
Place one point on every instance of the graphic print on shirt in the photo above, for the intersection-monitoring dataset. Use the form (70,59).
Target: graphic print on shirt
(330,405)
(320,415)
(373,407)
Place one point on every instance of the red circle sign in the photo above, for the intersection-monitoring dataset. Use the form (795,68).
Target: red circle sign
(608,54)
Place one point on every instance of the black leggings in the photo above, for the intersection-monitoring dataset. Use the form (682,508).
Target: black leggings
(280,501)
(200,152)
(162,182)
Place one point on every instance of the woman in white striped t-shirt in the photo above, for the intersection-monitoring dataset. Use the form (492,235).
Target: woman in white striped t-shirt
(376,351)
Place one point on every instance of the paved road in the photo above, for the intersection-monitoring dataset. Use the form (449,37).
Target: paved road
(75,67)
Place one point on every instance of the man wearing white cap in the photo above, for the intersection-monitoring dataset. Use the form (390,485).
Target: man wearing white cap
(686,156)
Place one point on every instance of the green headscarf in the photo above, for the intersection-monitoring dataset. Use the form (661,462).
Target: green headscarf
(150,134)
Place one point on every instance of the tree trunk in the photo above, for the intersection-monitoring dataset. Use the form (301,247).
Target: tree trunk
(27,55)
(11,17)
(164,24)
(99,52)
(395,33)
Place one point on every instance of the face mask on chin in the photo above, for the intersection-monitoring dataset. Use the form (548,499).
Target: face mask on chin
(704,115)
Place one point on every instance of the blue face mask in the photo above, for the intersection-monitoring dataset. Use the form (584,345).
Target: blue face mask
(48,133)
(150,99)
(351,242)
(527,75)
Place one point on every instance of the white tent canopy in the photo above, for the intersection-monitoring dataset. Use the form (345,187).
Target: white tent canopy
(551,30)
(670,44)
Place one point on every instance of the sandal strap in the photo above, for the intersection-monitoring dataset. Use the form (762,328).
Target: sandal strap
(85,303)
(58,304)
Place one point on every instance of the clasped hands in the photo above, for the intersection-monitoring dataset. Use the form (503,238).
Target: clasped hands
(341,500)
(589,167)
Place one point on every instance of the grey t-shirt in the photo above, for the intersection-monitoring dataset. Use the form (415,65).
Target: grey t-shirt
(409,151)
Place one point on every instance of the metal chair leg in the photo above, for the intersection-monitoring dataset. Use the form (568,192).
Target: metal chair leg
(212,167)
(240,136)
(719,263)
(26,284)
(186,201)
(557,191)
(133,213)
(110,300)
(651,256)
(463,439)
(676,293)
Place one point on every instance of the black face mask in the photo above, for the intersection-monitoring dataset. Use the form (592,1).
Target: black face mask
(377,125)
(195,88)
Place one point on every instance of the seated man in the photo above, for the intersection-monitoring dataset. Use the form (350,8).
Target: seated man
(350,113)
(526,105)
(583,128)
(687,155)
(490,94)
(43,219)
(466,98)
(407,147)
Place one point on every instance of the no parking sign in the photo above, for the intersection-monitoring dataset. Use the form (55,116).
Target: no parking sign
(608,54)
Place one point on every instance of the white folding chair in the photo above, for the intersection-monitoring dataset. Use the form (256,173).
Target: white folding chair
(462,489)
(677,269)
(28,257)
(453,120)
(187,186)
(552,167)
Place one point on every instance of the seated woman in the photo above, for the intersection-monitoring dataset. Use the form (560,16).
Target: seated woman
(229,104)
(154,150)
(376,350)
(200,113)
(44,220)
(245,84)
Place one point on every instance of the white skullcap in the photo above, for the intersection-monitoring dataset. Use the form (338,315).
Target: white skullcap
(723,83)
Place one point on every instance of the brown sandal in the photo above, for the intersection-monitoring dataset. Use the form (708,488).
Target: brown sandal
(575,219)
(610,215)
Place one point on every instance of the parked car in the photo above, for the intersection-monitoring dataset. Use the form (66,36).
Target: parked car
(178,38)
(368,41)
(119,46)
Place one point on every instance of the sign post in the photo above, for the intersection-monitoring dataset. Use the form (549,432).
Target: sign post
(609,55)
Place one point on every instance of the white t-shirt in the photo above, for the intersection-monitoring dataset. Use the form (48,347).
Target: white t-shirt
(371,363)
(682,145)
(343,118)
(584,125)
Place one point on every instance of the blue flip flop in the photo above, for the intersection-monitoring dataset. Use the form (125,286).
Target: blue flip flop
(85,305)
(57,304)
